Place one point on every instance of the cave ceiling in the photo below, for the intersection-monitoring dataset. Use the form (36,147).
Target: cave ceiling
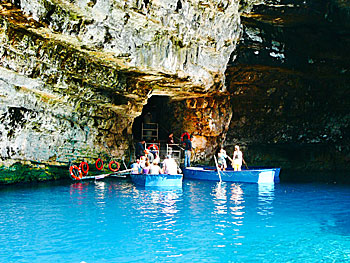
(307,39)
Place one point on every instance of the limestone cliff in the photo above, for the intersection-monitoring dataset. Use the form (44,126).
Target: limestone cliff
(75,74)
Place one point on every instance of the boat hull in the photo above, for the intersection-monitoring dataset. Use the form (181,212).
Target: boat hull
(261,175)
(157,179)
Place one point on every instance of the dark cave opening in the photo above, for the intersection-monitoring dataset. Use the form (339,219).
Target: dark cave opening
(157,114)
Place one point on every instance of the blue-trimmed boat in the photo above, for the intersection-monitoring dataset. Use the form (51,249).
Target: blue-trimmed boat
(253,175)
(172,180)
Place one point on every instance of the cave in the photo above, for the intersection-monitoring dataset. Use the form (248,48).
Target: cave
(161,116)
(274,80)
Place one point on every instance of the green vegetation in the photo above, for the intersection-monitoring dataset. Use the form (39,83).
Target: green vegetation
(19,172)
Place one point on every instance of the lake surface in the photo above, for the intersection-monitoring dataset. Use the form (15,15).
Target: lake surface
(114,221)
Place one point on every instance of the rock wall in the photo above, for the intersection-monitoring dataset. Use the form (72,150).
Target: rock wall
(75,74)
(290,86)
(206,119)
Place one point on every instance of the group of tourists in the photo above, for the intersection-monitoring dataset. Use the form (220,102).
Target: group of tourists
(236,160)
(145,166)
(147,160)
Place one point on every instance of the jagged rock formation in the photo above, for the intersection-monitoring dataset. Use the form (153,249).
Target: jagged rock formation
(75,74)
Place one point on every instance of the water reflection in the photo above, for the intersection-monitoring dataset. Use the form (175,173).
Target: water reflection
(79,191)
(219,192)
(235,198)
(79,188)
(265,199)
(229,207)
(238,200)
(100,190)
(158,200)
(236,194)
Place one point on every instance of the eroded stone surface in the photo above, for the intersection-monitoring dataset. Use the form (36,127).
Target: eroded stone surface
(75,74)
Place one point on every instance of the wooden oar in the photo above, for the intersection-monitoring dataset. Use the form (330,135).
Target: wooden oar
(217,167)
(245,164)
(230,159)
(111,174)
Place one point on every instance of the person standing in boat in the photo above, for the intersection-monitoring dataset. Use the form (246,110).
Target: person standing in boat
(170,143)
(237,159)
(188,151)
(140,148)
(222,159)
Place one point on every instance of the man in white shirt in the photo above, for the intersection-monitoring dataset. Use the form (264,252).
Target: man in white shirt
(169,165)
(155,169)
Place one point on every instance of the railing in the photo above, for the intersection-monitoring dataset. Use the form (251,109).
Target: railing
(174,150)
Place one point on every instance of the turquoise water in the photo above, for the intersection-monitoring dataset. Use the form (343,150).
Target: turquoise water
(114,221)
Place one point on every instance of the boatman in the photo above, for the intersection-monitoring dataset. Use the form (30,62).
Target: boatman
(237,159)
(140,148)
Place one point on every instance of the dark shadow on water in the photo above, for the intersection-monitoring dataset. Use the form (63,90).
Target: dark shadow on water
(330,177)
(339,224)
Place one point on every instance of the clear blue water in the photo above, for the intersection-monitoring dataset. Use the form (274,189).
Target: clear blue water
(114,221)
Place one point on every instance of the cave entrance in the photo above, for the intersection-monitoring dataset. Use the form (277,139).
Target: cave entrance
(155,122)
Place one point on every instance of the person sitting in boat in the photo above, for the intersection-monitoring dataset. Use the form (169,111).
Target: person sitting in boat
(237,159)
(156,158)
(149,155)
(146,168)
(222,159)
(155,169)
(135,167)
(142,163)
(170,165)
